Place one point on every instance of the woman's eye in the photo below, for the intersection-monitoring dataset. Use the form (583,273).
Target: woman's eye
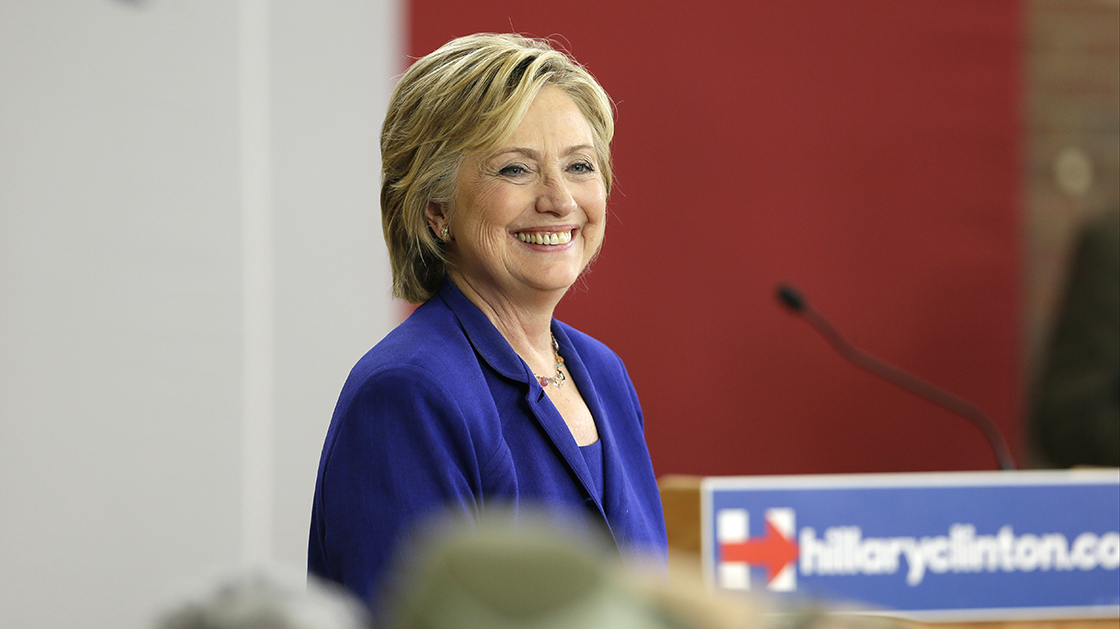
(513,170)
(582,167)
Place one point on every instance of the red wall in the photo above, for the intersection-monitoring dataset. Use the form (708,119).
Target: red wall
(866,151)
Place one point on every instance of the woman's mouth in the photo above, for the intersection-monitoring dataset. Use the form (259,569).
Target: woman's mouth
(545,238)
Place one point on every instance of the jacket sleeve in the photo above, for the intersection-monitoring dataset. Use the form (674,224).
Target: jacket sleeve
(397,454)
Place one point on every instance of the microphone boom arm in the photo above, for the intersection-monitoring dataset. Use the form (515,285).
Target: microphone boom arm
(791,299)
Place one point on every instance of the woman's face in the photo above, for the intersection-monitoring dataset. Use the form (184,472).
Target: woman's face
(530,217)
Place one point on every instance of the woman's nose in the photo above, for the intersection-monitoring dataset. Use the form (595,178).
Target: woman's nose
(556,196)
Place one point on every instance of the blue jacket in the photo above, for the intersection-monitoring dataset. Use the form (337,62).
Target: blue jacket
(443,413)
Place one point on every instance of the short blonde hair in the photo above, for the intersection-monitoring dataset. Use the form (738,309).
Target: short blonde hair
(466,97)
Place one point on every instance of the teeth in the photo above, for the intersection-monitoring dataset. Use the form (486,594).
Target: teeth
(545,238)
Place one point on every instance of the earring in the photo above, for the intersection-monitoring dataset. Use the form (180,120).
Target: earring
(444,234)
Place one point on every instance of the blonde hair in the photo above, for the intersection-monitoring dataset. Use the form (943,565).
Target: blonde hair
(466,97)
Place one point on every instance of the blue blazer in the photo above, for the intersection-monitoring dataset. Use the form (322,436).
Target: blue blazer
(442,413)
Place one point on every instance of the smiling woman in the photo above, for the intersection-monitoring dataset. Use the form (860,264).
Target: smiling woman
(525,222)
(496,173)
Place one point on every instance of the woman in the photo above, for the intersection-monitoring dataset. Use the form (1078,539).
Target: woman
(496,171)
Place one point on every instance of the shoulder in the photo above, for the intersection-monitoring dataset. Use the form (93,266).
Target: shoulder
(593,352)
(605,367)
(426,342)
(424,368)
(422,384)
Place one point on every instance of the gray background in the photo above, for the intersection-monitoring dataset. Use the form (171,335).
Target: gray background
(190,262)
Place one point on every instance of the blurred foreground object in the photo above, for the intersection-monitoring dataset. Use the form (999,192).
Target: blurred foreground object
(270,600)
(1076,411)
(530,574)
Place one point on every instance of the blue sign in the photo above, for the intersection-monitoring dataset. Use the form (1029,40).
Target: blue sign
(940,546)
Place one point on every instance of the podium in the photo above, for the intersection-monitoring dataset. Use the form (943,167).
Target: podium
(689,528)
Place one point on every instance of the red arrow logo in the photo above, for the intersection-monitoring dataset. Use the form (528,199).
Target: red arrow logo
(775,551)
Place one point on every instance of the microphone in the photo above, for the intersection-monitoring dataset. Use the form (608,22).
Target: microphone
(789,297)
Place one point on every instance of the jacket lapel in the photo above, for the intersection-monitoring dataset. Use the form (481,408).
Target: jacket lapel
(489,343)
(594,402)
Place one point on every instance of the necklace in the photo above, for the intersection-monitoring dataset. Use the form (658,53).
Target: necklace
(557,380)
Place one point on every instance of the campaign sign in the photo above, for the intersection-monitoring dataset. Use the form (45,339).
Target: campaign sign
(939,546)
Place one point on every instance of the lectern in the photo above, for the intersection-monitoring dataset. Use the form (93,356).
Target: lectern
(997,550)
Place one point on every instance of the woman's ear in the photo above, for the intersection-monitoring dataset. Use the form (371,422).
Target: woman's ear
(436,216)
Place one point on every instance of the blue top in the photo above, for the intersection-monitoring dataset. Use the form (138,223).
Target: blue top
(442,413)
(593,457)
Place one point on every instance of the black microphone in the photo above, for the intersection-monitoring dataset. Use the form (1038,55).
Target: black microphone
(794,301)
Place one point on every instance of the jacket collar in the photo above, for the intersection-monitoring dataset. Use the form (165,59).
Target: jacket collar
(483,336)
(489,343)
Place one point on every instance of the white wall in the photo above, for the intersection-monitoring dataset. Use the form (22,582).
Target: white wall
(190,262)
